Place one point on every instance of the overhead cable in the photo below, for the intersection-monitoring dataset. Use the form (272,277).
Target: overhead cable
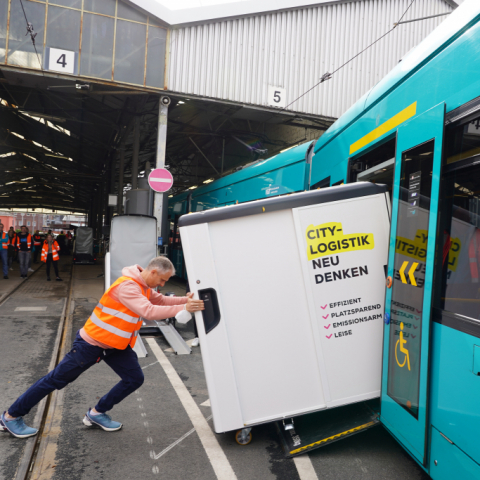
(32,33)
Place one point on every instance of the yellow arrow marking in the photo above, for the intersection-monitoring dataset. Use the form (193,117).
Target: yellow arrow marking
(402,272)
(411,272)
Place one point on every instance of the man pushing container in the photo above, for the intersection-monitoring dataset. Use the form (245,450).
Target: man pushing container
(109,334)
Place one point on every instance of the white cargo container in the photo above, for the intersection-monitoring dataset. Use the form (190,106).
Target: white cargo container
(294,292)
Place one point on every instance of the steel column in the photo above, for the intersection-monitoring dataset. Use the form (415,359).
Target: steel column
(120,179)
(136,150)
(161,198)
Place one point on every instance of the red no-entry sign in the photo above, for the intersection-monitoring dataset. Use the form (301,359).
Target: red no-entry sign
(160,180)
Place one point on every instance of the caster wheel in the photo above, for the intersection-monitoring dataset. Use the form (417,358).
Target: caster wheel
(243,438)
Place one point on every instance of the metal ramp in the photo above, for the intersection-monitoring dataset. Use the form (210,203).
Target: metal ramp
(167,329)
(308,432)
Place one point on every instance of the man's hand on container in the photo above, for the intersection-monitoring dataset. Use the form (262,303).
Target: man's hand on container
(193,305)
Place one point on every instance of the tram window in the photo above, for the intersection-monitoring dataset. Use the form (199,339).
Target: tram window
(457,282)
(321,184)
(463,141)
(375,166)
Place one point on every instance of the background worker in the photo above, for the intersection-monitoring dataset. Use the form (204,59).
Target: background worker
(11,247)
(109,335)
(50,255)
(4,251)
(24,247)
(37,243)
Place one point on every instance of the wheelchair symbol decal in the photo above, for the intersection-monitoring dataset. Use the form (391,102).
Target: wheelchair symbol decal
(404,350)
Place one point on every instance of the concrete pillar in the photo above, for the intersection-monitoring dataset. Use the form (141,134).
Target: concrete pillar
(120,179)
(161,198)
(136,150)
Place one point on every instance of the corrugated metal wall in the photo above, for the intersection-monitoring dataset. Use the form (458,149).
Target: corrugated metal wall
(237,59)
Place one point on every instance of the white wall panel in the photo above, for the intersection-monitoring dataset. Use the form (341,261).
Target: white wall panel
(237,59)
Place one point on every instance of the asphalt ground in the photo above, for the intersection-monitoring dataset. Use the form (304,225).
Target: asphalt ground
(158,439)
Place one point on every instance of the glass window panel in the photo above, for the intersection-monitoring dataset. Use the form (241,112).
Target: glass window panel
(97,46)
(20,49)
(157,38)
(464,142)
(66,3)
(3,29)
(129,13)
(63,28)
(457,278)
(130,52)
(409,273)
(107,7)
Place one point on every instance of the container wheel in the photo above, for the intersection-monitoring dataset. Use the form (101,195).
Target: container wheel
(243,437)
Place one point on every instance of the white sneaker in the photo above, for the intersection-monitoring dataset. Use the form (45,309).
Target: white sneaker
(195,342)
(31,270)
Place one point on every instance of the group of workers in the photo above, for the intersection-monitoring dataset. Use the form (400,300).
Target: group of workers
(23,244)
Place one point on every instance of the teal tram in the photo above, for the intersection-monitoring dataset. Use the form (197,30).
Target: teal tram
(418,131)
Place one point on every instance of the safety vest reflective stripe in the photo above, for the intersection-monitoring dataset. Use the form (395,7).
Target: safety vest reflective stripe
(112,323)
(116,313)
(108,327)
(4,244)
(29,241)
(474,254)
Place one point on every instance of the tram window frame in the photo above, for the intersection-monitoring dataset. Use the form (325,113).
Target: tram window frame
(460,307)
(387,142)
(340,182)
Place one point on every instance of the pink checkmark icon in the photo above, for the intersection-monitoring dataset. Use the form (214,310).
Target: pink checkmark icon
(325,316)
(415,327)
(413,336)
(328,336)
(418,311)
(327,326)
(323,308)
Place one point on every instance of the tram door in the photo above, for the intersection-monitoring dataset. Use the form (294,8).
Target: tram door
(410,265)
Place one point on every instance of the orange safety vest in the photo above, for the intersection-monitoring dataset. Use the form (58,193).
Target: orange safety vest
(55,250)
(474,255)
(29,241)
(4,244)
(37,240)
(112,323)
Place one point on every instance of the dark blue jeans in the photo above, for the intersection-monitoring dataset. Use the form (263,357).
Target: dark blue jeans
(81,357)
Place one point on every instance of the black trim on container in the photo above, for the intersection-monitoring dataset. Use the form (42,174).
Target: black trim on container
(464,113)
(294,200)
(467,325)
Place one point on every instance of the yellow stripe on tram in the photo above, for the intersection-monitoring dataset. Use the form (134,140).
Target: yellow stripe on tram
(385,127)
(352,430)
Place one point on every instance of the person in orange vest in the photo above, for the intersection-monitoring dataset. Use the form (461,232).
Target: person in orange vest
(37,243)
(4,251)
(109,334)
(24,247)
(50,251)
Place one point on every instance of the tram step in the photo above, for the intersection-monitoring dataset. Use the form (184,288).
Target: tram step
(318,429)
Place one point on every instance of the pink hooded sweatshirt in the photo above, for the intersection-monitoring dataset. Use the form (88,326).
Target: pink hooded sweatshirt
(129,294)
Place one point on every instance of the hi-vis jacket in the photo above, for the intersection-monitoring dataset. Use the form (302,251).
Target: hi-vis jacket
(55,250)
(29,241)
(112,323)
(4,237)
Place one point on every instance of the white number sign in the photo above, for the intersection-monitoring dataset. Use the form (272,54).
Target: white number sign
(277,96)
(61,61)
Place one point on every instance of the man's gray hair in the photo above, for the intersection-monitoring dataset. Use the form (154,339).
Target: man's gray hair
(161,263)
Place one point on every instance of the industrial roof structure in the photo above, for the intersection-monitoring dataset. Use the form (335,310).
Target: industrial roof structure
(62,133)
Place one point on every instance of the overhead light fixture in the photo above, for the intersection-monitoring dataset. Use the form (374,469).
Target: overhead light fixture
(30,191)
(210,180)
(192,188)
(56,156)
(170,196)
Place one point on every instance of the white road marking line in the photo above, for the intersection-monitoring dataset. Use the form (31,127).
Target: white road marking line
(143,368)
(206,403)
(163,452)
(219,461)
(30,309)
(305,468)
